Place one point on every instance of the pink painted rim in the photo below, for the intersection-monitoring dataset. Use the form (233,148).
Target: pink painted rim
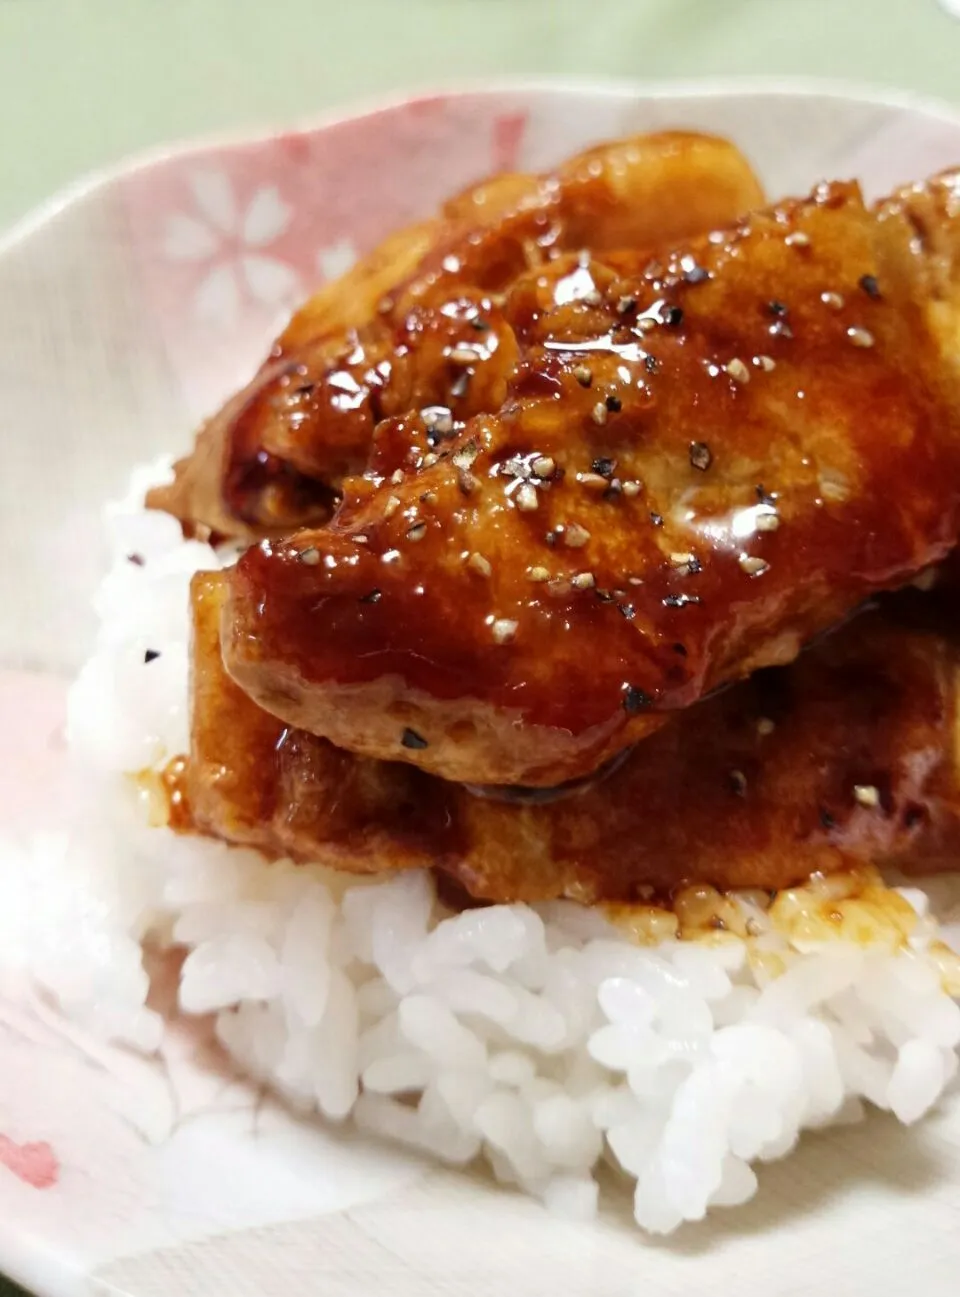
(723,87)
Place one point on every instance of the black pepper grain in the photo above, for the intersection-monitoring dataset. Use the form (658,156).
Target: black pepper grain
(635,700)
(372,596)
(913,816)
(779,309)
(656,519)
(738,782)
(603,467)
(614,404)
(411,739)
(151,655)
(673,316)
(870,286)
(701,456)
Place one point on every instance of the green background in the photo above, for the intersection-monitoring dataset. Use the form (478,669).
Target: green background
(84,82)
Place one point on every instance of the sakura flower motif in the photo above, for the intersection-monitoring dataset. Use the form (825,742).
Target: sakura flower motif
(34,1164)
(336,260)
(508,133)
(230,242)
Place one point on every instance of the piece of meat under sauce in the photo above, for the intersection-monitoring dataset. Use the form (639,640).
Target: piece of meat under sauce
(848,756)
(695,471)
(416,324)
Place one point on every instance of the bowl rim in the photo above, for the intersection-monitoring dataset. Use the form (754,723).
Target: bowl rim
(90,182)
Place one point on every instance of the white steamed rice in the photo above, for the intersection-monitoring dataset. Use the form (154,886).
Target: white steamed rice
(540,1038)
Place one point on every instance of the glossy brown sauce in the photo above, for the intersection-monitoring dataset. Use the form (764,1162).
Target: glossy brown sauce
(175,785)
(747,461)
(392,334)
(845,756)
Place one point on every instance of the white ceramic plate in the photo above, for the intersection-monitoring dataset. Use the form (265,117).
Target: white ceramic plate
(127,308)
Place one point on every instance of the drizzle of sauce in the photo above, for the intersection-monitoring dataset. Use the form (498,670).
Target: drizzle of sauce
(851,905)
(166,794)
(854,906)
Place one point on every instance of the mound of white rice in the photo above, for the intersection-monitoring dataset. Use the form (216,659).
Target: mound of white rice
(544,1039)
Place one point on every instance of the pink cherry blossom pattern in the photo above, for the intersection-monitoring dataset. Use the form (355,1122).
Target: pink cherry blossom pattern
(336,259)
(508,133)
(226,240)
(230,243)
(34,1164)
